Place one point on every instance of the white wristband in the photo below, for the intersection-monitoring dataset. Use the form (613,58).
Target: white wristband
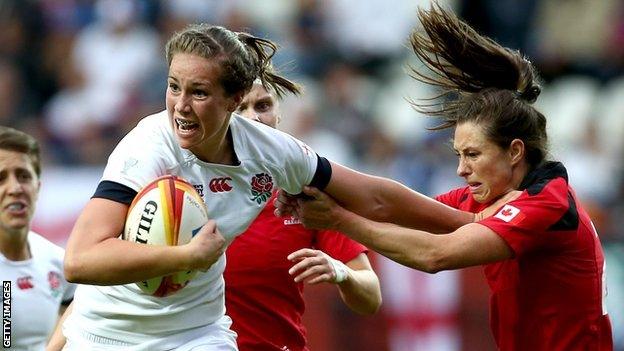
(340,270)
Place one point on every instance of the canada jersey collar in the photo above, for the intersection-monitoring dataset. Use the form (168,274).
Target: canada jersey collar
(535,180)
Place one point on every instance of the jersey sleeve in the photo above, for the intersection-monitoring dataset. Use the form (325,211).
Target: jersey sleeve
(526,222)
(299,165)
(137,159)
(338,246)
(452,198)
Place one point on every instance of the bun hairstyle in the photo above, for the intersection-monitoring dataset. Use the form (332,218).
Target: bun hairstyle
(480,82)
(243,57)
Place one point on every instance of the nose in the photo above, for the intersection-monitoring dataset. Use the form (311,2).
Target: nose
(182,105)
(14,185)
(462,168)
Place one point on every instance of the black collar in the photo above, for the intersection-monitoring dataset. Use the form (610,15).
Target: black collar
(536,179)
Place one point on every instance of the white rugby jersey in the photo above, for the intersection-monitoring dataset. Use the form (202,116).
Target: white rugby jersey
(234,195)
(38,288)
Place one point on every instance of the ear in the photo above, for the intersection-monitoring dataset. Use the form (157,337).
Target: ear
(516,151)
(235,101)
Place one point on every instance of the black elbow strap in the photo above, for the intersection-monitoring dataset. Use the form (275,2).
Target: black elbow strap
(323,173)
(115,191)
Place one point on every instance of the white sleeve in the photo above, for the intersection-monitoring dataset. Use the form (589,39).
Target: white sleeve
(299,165)
(139,158)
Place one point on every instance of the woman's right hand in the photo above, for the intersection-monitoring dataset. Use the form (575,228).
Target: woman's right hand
(285,204)
(206,247)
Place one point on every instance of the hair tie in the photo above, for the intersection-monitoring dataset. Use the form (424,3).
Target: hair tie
(529,95)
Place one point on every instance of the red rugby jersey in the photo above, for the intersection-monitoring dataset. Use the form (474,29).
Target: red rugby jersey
(550,296)
(265,303)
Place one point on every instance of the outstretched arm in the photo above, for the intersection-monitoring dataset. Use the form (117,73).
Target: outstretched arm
(357,282)
(385,200)
(470,245)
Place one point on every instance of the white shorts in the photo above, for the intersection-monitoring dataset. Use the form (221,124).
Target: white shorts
(214,337)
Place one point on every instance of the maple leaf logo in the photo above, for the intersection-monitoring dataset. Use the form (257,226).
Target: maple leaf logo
(506,212)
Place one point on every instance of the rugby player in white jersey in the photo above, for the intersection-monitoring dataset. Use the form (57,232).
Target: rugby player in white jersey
(31,267)
(200,139)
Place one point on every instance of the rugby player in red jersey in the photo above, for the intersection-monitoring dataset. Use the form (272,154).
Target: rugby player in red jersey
(268,264)
(542,256)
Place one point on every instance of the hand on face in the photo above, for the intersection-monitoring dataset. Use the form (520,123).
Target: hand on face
(314,266)
(206,247)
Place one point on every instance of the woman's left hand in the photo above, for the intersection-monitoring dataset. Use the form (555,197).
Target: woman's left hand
(315,266)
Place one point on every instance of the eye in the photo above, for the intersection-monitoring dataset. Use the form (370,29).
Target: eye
(24,176)
(472,154)
(241,108)
(173,87)
(200,93)
(263,106)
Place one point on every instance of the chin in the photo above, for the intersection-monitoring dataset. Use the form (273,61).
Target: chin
(481,199)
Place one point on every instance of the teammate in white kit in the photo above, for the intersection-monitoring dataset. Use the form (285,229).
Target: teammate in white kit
(200,139)
(30,265)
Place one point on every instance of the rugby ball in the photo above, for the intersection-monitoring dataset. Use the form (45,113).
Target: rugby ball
(167,211)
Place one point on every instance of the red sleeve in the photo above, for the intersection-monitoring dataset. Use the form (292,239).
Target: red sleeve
(453,198)
(338,246)
(525,222)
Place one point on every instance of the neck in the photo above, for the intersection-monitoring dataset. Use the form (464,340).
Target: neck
(220,150)
(521,170)
(14,246)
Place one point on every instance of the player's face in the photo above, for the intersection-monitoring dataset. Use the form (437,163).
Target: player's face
(198,107)
(19,187)
(486,167)
(260,105)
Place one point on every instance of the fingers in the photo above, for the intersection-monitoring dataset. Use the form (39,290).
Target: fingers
(313,267)
(284,205)
(312,191)
(301,253)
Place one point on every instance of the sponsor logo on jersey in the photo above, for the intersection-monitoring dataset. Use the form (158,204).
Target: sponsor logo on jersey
(220,185)
(129,163)
(510,214)
(200,189)
(54,279)
(292,221)
(25,283)
(261,187)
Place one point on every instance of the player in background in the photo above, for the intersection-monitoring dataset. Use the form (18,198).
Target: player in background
(32,264)
(268,264)
(542,256)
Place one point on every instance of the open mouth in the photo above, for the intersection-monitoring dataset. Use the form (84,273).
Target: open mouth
(16,208)
(186,126)
(474,186)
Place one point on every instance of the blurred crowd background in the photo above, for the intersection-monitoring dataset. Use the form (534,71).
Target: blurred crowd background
(78,74)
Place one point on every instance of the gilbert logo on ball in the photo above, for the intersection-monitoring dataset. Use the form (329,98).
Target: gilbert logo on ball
(167,211)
